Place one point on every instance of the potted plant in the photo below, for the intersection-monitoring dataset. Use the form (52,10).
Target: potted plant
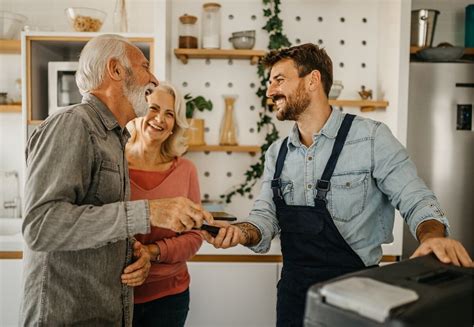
(195,133)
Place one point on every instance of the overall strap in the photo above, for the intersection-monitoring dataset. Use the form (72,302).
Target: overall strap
(324,185)
(276,181)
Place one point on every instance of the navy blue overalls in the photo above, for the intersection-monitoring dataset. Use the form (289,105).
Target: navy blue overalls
(312,247)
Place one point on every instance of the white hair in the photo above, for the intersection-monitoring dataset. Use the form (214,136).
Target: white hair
(94,57)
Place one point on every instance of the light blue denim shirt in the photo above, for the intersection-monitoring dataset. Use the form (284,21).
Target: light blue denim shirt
(373,176)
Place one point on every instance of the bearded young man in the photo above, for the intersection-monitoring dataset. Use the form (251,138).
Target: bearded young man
(79,224)
(330,188)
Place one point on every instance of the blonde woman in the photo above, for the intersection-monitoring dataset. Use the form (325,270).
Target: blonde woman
(157,170)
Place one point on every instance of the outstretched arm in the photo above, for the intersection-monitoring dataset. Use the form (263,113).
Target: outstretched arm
(230,235)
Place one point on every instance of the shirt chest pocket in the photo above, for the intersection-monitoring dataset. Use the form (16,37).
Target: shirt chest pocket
(348,195)
(109,188)
(287,191)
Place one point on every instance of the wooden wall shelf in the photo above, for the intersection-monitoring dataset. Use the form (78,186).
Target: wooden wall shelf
(10,107)
(185,54)
(364,105)
(252,149)
(10,46)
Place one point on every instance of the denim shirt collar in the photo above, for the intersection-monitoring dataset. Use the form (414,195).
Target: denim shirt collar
(330,128)
(106,116)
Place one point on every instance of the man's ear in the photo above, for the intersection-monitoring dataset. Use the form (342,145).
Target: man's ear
(314,80)
(115,70)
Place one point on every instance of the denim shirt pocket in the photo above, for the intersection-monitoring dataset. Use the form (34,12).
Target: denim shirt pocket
(348,195)
(109,188)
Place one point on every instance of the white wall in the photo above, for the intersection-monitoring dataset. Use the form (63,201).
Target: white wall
(380,55)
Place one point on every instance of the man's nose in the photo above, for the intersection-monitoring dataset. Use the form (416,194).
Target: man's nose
(270,90)
(154,81)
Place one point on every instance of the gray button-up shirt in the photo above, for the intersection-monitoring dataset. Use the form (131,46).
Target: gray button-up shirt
(78,221)
(373,176)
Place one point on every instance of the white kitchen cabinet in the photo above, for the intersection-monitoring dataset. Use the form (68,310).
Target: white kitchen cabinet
(232,294)
(10,284)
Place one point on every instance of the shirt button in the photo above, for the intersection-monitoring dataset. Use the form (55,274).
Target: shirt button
(310,186)
(310,158)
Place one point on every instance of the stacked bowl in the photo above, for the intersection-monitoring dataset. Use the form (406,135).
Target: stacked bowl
(243,39)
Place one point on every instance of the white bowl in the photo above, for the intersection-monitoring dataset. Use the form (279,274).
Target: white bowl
(10,24)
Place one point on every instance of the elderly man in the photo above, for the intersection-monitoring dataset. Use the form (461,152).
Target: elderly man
(79,224)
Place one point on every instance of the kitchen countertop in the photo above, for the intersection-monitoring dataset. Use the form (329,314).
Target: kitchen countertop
(14,244)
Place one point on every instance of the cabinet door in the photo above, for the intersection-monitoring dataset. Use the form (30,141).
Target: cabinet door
(232,294)
(10,284)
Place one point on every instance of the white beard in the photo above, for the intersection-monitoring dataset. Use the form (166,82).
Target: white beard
(135,94)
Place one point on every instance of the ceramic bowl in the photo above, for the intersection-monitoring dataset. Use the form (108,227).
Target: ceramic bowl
(250,33)
(242,42)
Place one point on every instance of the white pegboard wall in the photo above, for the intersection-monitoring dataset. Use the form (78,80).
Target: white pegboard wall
(347,29)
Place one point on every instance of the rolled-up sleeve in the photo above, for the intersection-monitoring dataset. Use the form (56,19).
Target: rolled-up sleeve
(263,213)
(60,163)
(397,177)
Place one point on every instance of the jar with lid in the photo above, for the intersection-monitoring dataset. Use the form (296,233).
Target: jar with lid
(188,32)
(211,25)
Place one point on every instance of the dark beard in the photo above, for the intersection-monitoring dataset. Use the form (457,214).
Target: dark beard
(296,104)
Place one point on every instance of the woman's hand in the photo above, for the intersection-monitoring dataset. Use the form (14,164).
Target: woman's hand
(136,273)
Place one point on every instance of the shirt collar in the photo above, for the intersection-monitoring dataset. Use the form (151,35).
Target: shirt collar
(106,116)
(330,128)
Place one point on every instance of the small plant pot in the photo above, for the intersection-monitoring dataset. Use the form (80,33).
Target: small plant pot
(195,133)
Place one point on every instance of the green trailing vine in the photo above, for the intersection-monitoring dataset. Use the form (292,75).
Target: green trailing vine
(277,40)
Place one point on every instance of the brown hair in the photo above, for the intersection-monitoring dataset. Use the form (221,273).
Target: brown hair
(307,57)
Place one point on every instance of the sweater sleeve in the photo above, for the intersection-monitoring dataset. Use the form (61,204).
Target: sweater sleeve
(194,193)
(179,248)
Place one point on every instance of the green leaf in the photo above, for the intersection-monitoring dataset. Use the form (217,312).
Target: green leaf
(199,103)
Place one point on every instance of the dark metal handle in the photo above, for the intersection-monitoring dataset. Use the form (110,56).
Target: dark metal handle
(464,84)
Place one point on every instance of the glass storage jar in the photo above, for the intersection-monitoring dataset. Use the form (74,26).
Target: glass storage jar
(188,32)
(211,25)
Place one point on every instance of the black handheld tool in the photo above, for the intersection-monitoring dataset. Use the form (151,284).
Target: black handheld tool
(213,230)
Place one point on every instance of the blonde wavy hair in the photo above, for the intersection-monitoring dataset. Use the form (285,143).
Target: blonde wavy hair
(176,144)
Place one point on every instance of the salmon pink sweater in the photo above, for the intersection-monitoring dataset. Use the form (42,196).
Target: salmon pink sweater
(170,275)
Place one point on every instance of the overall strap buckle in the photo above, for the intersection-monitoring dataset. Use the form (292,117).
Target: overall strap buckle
(276,188)
(323,188)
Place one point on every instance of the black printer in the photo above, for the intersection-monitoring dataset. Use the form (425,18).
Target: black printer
(417,292)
